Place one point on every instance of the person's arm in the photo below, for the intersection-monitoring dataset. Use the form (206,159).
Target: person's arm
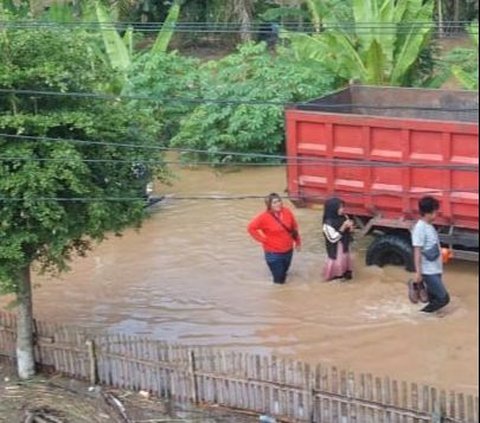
(418,241)
(298,240)
(255,230)
(417,259)
(331,233)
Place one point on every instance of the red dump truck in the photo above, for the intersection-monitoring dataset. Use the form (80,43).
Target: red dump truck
(381,149)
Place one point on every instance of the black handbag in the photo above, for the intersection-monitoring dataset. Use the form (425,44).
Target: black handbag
(432,254)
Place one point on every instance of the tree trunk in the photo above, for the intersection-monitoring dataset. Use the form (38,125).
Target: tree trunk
(25,356)
(456,10)
(243,9)
(440,18)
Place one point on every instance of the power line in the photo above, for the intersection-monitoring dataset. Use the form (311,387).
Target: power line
(290,160)
(252,28)
(369,24)
(225,101)
(300,161)
(210,197)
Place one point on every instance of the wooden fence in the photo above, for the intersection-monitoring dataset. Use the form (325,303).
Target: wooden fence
(291,391)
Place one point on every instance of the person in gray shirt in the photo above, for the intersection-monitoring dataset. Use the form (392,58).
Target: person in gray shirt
(427,255)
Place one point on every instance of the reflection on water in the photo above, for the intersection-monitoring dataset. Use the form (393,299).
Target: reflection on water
(192,275)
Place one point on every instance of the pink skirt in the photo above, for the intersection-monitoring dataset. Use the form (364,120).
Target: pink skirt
(336,268)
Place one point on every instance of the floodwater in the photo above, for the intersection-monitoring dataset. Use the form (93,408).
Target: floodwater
(192,275)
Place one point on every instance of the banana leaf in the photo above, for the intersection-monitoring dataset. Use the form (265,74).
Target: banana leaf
(316,9)
(116,49)
(411,45)
(166,33)
(469,81)
(375,64)
(128,40)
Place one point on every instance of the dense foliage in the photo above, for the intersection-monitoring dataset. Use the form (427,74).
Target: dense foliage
(250,75)
(39,178)
(166,77)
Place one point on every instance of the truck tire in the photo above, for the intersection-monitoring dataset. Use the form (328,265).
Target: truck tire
(391,249)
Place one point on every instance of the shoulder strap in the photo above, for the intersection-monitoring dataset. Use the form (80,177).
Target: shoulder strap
(290,231)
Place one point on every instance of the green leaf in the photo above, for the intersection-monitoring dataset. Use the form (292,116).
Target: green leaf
(58,12)
(116,49)
(469,81)
(411,47)
(316,9)
(167,31)
(375,64)
(128,40)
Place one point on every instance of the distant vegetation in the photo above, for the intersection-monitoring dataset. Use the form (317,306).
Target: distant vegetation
(398,46)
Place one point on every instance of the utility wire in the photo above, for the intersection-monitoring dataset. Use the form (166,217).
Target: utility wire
(234,28)
(226,101)
(211,197)
(290,160)
(368,24)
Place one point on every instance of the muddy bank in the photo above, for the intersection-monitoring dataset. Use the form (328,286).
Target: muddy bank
(60,399)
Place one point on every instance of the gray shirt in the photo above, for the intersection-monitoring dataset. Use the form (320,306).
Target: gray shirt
(425,236)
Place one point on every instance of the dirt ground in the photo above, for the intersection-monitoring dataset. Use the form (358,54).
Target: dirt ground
(57,399)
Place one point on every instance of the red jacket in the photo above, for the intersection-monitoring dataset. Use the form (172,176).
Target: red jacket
(274,238)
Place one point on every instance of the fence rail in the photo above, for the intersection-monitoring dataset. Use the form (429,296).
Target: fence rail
(290,390)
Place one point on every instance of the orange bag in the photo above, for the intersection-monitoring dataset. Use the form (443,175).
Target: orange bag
(447,254)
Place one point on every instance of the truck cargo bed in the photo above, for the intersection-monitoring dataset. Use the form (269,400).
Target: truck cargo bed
(381,149)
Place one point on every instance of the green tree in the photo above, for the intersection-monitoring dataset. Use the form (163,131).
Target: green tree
(59,195)
(166,76)
(384,51)
(251,75)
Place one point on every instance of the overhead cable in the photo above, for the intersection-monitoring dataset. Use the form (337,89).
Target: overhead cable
(289,160)
(448,28)
(227,101)
(213,197)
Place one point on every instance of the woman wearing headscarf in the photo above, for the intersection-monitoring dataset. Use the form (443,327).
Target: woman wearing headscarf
(337,230)
(277,230)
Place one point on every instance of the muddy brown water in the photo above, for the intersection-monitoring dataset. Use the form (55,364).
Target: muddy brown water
(192,275)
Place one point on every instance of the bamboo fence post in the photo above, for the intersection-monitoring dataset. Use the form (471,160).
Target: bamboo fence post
(92,358)
(192,370)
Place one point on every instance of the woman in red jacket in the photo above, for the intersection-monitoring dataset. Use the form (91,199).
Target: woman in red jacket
(277,230)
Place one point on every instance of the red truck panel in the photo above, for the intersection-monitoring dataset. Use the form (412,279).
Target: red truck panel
(387,164)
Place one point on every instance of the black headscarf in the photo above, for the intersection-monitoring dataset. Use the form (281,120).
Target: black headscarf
(333,219)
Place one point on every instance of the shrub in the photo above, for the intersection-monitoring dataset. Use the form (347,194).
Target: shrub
(253,77)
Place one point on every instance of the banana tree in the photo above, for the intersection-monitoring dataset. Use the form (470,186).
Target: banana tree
(380,47)
(119,50)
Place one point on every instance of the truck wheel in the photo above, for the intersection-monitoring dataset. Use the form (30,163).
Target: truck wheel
(391,249)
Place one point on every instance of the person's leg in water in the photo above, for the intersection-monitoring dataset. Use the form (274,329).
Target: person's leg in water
(348,275)
(437,293)
(276,264)
(287,261)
